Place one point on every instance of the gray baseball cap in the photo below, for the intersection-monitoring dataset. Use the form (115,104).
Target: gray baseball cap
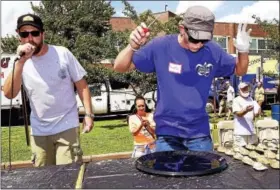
(200,22)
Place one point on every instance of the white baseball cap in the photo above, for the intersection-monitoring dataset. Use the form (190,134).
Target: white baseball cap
(242,85)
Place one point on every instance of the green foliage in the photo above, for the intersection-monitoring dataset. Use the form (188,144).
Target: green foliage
(171,26)
(9,44)
(78,25)
(142,82)
(84,28)
(271,28)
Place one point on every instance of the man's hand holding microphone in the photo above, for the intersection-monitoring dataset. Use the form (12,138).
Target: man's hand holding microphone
(25,51)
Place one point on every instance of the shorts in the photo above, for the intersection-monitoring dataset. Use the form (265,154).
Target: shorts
(243,140)
(229,105)
(141,150)
(223,103)
(58,149)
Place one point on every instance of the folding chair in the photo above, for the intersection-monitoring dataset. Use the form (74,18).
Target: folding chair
(225,132)
(268,130)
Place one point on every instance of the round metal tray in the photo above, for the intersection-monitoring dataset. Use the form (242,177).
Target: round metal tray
(181,163)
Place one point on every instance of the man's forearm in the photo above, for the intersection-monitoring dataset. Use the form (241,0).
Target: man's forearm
(15,80)
(123,62)
(86,99)
(85,96)
(242,64)
(241,113)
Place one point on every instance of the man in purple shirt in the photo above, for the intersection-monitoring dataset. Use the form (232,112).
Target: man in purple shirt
(185,65)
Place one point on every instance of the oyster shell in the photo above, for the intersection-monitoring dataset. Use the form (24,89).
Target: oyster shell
(259,166)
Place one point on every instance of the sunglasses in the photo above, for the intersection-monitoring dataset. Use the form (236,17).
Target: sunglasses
(26,34)
(195,41)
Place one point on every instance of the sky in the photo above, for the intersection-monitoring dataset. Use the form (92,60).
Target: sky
(225,11)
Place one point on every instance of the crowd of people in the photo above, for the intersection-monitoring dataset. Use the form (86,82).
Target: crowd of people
(227,94)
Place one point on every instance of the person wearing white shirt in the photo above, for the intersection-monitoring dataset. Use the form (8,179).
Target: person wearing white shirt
(245,109)
(230,97)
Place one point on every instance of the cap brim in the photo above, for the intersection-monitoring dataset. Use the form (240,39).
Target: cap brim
(200,35)
(243,86)
(29,23)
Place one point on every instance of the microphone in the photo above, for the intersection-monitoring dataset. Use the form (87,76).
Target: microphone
(21,54)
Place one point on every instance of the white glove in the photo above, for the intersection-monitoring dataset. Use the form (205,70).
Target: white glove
(243,39)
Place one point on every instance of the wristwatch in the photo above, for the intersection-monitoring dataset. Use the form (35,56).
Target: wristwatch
(89,115)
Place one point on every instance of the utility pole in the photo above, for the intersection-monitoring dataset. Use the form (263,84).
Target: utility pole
(165,8)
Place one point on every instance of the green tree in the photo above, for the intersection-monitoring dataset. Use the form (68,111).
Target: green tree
(9,44)
(81,26)
(77,25)
(271,28)
(142,82)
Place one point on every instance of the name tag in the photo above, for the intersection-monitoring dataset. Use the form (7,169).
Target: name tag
(175,68)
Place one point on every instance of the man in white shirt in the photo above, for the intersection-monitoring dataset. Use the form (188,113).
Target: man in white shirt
(230,97)
(245,109)
(48,74)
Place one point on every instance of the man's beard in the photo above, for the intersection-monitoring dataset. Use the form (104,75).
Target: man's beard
(38,47)
(244,94)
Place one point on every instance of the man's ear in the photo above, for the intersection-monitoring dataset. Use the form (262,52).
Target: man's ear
(43,35)
(17,31)
(181,29)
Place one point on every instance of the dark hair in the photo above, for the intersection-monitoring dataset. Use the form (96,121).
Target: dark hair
(147,109)
(134,111)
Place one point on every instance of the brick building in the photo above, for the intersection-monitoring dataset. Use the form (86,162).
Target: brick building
(223,32)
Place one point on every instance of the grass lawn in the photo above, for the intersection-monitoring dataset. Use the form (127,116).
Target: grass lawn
(108,136)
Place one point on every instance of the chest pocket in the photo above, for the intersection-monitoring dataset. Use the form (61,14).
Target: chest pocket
(61,71)
(59,74)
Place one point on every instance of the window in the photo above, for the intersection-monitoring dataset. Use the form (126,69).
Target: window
(95,89)
(222,41)
(260,45)
(253,46)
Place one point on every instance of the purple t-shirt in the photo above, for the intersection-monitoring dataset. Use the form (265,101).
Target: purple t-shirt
(183,83)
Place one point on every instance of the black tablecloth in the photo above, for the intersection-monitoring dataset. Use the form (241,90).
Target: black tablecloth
(122,174)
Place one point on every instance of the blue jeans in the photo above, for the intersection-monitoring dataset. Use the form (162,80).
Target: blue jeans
(170,143)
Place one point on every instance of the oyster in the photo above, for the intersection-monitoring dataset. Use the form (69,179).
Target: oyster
(229,152)
(250,147)
(262,160)
(275,164)
(221,149)
(238,156)
(259,166)
(262,146)
(243,151)
(253,154)
(248,161)
(269,154)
